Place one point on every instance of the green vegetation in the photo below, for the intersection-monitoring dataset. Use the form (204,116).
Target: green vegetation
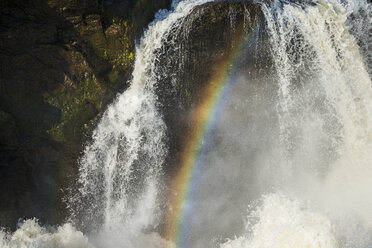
(81,102)
(124,59)
(123,53)
(79,106)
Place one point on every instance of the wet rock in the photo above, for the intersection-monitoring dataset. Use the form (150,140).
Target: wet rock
(207,39)
(8,132)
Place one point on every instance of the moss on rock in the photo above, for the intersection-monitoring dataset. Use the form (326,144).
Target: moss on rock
(79,105)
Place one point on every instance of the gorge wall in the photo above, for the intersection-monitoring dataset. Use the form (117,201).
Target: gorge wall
(62,62)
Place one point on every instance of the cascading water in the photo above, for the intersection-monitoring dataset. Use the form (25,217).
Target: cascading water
(298,146)
(120,171)
(324,119)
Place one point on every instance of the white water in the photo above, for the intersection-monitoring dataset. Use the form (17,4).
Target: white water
(120,171)
(319,160)
(31,234)
(284,223)
(324,161)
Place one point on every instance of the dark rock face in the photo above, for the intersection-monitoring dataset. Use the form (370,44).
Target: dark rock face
(207,38)
(62,62)
(204,45)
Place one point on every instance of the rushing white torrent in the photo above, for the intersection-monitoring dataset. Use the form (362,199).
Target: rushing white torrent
(325,115)
(324,111)
(285,223)
(31,235)
(120,169)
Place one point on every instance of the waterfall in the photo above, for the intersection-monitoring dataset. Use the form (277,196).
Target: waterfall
(290,164)
(120,170)
(324,164)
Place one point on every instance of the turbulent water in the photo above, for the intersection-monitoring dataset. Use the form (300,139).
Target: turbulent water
(322,164)
(120,171)
(292,166)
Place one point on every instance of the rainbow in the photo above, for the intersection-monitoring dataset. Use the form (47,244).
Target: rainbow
(191,162)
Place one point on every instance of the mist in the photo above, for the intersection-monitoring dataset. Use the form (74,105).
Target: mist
(288,160)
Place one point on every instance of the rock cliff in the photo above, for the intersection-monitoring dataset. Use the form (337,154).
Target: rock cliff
(62,62)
